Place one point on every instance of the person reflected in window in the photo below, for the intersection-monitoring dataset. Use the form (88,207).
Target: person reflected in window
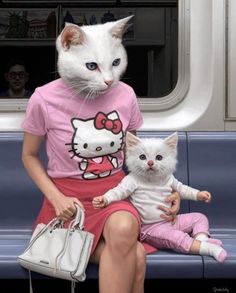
(16,76)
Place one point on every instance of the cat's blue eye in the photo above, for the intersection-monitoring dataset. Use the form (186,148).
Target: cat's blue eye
(159,157)
(116,62)
(91,65)
(142,157)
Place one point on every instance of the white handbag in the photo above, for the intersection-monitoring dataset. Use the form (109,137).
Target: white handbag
(59,252)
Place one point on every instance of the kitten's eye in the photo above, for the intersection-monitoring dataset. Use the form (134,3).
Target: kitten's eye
(91,65)
(159,157)
(85,146)
(142,157)
(112,144)
(116,62)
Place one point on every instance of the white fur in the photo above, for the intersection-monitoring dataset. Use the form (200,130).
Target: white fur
(151,147)
(100,46)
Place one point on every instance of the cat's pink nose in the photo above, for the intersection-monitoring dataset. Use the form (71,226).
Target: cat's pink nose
(108,82)
(150,163)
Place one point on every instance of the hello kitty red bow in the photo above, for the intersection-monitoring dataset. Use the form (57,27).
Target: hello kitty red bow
(103,122)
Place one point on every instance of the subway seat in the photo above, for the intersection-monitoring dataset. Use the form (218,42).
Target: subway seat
(207,161)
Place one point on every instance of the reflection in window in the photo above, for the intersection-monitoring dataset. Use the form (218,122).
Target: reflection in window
(25,69)
(27,23)
(16,77)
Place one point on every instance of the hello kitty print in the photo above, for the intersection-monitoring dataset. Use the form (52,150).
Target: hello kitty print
(95,144)
(70,123)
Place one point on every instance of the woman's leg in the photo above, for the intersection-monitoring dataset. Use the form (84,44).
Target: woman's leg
(121,258)
(138,283)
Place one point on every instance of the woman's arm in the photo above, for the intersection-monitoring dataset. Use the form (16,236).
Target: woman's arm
(63,205)
(170,214)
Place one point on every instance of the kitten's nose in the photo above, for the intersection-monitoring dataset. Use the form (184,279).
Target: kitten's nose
(108,82)
(150,163)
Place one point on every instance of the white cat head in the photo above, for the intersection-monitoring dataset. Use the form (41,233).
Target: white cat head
(151,157)
(92,58)
(97,137)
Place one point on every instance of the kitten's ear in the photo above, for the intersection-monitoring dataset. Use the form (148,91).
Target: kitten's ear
(131,140)
(172,140)
(119,27)
(71,35)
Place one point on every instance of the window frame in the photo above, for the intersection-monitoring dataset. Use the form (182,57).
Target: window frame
(183,80)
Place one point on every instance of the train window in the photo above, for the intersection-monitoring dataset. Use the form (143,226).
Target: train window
(157,45)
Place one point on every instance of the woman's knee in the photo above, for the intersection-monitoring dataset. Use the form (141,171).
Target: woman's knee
(121,231)
(140,263)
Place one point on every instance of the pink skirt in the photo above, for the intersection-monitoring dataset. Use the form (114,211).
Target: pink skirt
(85,190)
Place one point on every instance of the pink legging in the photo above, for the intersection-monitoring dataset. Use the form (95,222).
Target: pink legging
(178,236)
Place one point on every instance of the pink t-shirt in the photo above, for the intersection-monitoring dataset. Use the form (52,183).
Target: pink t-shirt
(84,138)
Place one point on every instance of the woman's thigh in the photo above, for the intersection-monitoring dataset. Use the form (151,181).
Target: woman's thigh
(120,226)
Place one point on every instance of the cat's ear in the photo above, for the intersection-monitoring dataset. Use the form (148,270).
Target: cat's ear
(119,27)
(131,140)
(172,140)
(71,35)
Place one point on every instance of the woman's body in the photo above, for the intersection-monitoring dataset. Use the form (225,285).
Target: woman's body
(84,142)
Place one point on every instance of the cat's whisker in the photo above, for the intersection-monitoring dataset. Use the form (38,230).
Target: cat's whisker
(91,94)
(80,88)
(86,88)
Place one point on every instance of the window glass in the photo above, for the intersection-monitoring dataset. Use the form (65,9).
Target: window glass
(28,34)
(25,68)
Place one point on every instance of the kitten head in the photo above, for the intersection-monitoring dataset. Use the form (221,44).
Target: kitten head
(151,158)
(92,58)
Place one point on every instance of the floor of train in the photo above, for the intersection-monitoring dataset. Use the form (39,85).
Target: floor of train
(151,286)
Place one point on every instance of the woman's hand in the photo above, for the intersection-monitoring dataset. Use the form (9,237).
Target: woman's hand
(170,213)
(65,207)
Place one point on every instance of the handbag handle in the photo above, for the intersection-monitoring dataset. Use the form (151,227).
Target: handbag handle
(77,222)
(79,218)
(52,223)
